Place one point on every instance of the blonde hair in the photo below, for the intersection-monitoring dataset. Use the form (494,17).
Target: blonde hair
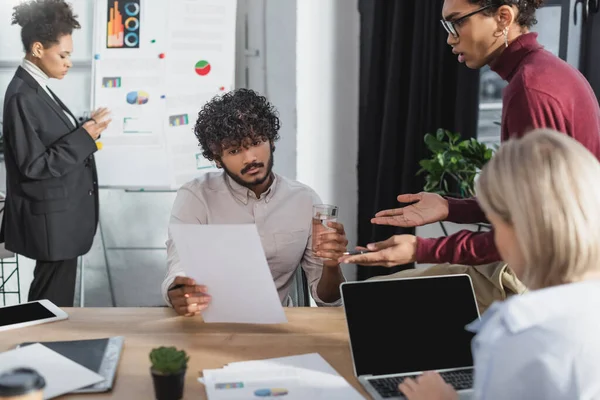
(546,185)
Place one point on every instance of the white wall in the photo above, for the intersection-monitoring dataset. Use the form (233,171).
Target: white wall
(327,68)
(280,84)
(266,62)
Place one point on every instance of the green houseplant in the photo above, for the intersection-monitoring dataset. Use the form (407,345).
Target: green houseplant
(454,163)
(168,372)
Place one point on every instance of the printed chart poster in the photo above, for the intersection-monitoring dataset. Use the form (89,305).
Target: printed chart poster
(133,92)
(200,64)
(134,149)
(180,54)
(201,45)
(123,23)
(184,151)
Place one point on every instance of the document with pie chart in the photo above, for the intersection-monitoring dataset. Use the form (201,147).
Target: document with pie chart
(282,383)
(200,65)
(132,90)
(155,64)
(304,376)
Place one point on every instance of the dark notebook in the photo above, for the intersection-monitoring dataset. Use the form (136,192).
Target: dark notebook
(99,355)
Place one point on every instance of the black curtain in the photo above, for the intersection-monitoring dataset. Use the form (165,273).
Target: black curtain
(410,84)
(590,47)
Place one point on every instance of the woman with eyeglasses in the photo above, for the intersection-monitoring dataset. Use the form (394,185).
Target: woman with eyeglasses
(543,92)
(542,196)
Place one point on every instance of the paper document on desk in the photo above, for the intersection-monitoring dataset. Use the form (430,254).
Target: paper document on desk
(61,374)
(224,384)
(307,375)
(230,261)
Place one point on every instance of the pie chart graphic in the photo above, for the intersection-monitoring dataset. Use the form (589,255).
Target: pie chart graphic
(202,67)
(278,392)
(138,97)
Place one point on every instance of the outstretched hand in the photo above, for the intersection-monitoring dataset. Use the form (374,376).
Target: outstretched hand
(397,250)
(426,208)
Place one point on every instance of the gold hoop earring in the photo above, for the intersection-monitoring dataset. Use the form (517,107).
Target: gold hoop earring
(505,37)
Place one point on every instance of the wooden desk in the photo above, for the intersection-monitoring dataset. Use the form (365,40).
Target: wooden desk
(310,329)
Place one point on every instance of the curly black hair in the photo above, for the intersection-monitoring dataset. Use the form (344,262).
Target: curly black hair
(44,21)
(526,8)
(230,119)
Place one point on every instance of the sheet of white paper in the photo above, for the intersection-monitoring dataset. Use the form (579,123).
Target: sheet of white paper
(310,361)
(230,261)
(224,384)
(61,374)
(312,369)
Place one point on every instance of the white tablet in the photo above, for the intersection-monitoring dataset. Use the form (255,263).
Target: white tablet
(27,314)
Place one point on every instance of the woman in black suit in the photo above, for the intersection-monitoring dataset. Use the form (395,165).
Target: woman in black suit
(51,210)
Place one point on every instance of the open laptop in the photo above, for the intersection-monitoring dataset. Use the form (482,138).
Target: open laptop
(401,327)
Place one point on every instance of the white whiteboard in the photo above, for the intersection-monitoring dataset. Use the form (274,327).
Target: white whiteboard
(171,57)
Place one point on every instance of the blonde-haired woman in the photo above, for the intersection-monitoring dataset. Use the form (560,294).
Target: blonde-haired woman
(542,194)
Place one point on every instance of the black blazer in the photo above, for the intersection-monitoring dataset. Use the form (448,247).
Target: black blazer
(51,209)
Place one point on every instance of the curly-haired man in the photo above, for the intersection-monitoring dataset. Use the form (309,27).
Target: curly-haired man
(238,131)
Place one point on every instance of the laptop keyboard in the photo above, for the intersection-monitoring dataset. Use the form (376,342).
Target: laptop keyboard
(388,387)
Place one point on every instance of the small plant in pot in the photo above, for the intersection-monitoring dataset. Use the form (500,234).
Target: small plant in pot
(168,372)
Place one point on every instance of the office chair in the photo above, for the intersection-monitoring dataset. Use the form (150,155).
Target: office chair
(299,293)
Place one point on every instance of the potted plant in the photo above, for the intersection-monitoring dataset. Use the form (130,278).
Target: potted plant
(454,164)
(168,372)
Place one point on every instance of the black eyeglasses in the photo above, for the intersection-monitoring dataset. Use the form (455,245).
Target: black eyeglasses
(451,26)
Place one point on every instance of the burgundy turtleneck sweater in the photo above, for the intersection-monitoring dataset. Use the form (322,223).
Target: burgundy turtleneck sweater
(543,92)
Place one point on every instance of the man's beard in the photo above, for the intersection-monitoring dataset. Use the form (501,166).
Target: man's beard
(250,185)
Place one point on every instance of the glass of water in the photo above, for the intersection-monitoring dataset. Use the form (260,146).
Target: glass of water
(322,214)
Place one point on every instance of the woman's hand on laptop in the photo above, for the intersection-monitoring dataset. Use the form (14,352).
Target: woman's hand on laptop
(429,386)
(188,298)
(419,209)
(397,250)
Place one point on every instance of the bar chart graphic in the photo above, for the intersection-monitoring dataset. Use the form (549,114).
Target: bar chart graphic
(123,24)
(111,82)
(178,120)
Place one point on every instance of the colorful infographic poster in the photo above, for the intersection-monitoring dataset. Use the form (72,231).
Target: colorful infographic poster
(156,63)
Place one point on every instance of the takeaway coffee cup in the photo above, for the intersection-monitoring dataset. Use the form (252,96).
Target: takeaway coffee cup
(22,384)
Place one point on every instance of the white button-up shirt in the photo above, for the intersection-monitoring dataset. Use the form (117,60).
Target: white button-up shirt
(543,345)
(282,215)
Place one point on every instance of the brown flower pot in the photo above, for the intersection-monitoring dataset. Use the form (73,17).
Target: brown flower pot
(168,387)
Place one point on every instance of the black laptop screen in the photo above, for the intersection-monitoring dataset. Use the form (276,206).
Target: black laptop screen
(410,325)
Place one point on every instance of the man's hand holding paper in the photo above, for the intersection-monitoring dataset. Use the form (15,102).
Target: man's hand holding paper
(188,298)
(240,281)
